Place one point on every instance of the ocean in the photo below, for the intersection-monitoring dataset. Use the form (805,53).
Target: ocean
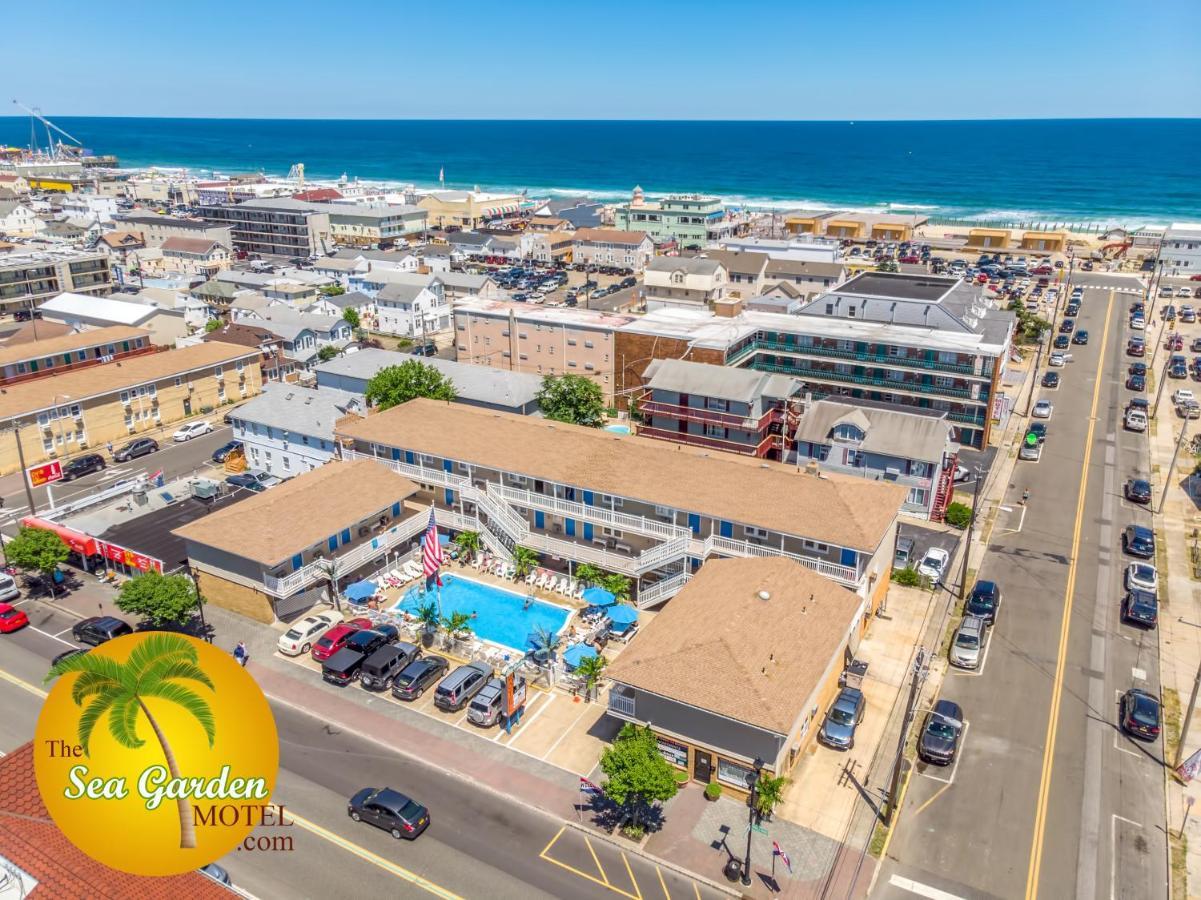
(1120,171)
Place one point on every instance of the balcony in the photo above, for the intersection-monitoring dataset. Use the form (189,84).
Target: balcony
(661,591)
(569,509)
(621,704)
(860,356)
(703,440)
(876,381)
(732,547)
(708,416)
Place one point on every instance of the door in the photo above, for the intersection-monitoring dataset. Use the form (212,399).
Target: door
(187,406)
(702,766)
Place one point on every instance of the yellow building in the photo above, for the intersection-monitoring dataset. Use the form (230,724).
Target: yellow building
(884,230)
(1046,241)
(88,408)
(849,229)
(468,209)
(51,183)
(989,238)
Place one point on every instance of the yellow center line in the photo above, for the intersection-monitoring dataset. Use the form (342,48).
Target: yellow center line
(1044,787)
(24,685)
(696,887)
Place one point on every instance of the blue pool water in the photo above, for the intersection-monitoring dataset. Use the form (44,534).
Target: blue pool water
(618,429)
(501,617)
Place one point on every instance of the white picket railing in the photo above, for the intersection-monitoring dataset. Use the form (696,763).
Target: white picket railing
(730,547)
(662,590)
(570,509)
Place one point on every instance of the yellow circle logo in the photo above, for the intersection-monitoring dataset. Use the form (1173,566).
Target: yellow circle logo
(155,753)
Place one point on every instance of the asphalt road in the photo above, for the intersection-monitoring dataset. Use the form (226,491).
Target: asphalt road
(1010,819)
(478,844)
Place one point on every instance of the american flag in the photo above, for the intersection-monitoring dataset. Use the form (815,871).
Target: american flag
(431,553)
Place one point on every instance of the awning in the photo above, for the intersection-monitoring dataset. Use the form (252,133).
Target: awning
(598,596)
(360,590)
(622,616)
(577,653)
(81,543)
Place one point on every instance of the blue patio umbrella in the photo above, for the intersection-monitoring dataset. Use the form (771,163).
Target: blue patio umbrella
(598,596)
(622,616)
(444,540)
(577,653)
(360,590)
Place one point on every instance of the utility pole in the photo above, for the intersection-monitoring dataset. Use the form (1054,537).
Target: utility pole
(1188,719)
(967,546)
(1163,379)
(1167,481)
(915,680)
(33,510)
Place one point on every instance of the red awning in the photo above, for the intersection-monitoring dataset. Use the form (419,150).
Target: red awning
(76,540)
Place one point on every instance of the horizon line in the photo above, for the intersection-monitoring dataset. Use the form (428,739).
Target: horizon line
(646,120)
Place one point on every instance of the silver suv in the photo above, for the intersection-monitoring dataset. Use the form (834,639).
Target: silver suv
(968,643)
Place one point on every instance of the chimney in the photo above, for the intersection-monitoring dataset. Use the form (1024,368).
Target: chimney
(727,307)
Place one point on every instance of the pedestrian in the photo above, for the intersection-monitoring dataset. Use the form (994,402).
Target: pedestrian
(241,654)
(1025,495)
(109,448)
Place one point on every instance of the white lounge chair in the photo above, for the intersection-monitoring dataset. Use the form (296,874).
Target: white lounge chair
(499,569)
(510,571)
(412,571)
(579,591)
(564,586)
(529,579)
(542,580)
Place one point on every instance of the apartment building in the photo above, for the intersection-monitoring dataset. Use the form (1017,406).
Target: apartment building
(915,450)
(469,209)
(30,279)
(155,228)
(63,353)
(82,313)
(527,338)
(735,410)
(746,272)
(640,507)
(1180,249)
(303,334)
(18,220)
(273,364)
(356,225)
(684,281)
(287,429)
(808,278)
(87,408)
(194,256)
(546,246)
(611,247)
(689,220)
(278,226)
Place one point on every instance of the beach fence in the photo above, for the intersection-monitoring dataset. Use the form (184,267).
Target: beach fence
(1080,227)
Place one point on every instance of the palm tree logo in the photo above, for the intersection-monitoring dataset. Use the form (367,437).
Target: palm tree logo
(121,689)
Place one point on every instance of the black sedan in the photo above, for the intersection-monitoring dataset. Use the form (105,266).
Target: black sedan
(1140,607)
(1067,326)
(1062,342)
(1138,368)
(984,601)
(1080,337)
(419,675)
(1139,714)
(1051,380)
(83,465)
(134,449)
(940,734)
(1039,430)
(1137,383)
(395,813)
(222,452)
(1137,490)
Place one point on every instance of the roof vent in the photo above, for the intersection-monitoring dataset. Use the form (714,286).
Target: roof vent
(764,595)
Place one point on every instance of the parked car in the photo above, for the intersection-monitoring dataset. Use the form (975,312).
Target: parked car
(429,348)
(1136,347)
(97,630)
(1058,360)
(486,707)
(83,465)
(1182,395)
(1139,540)
(390,810)
(843,717)
(222,453)
(1062,342)
(940,733)
(1143,576)
(367,641)
(1139,714)
(1042,409)
(968,643)
(253,481)
(1140,607)
(456,689)
(1080,337)
(1135,420)
(418,675)
(933,563)
(134,449)
(984,601)
(8,587)
(1051,380)
(1136,383)
(302,635)
(191,430)
(381,667)
(1137,490)
(11,618)
(335,639)
(343,667)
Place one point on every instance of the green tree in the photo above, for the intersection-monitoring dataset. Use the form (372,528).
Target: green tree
(636,771)
(525,559)
(159,598)
(120,690)
(468,542)
(332,290)
(427,615)
(768,794)
(589,574)
(394,385)
(457,624)
(958,514)
(618,585)
(328,352)
(38,550)
(352,318)
(572,398)
(545,645)
(590,669)
(211,325)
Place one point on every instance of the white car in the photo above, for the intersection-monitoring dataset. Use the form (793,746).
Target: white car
(933,563)
(191,430)
(1143,576)
(302,635)
(1042,409)
(1058,359)
(1136,420)
(1183,292)
(1138,323)
(1183,395)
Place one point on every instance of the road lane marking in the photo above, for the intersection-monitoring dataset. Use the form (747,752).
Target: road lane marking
(662,883)
(545,855)
(368,856)
(630,872)
(24,685)
(1113,852)
(596,859)
(53,637)
(1044,788)
(922,890)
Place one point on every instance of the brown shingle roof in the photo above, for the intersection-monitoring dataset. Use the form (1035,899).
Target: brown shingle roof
(37,331)
(743,263)
(780,268)
(80,384)
(609,236)
(118,239)
(30,839)
(841,510)
(188,245)
(720,647)
(66,343)
(272,526)
(243,334)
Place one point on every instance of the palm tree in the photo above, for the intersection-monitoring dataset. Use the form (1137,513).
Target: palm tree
(468,542)
(427,615)
(546,645)
(331,569)
(525,560)
(768,793)
(588,573)
(120,690)
(618,585)
(590,669)
(457,624)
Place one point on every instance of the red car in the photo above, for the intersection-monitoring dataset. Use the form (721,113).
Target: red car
(11,618)
(1174,342)
(335,639)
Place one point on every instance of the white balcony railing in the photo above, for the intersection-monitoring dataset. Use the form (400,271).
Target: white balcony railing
(662,590)
(619,703)
(570,509)
(730,547)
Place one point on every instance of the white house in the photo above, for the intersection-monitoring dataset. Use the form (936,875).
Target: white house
(303,334)
(412,305)
(91,207)
(18,220)
(1180,250)
(289,429)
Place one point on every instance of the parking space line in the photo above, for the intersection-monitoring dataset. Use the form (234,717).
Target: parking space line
(529,720)
(579,873)
(54,637)
(630,872)
(1113,851)
(596,859)
(922,890)
(662,883)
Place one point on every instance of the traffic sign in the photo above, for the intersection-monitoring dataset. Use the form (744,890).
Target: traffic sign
(46,473)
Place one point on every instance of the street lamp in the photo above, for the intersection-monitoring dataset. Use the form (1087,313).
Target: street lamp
(753,784)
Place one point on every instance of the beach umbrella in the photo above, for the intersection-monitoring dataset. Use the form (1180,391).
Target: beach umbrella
(444,540)
(360,590)
(623,615)
(598,596)
(577,653)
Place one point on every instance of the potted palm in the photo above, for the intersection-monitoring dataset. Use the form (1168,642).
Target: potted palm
(525,560)
(457,625)
(590,670)
(545,649)
(768,793)
(427,615)
(469,544)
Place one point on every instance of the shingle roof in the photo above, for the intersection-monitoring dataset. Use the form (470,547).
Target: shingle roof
(749,262)
(693,265)
(890,432)
(294,409)
(30,840)
(726,382)
(246,333)
(847,512)
(610,236)
(761,659)
(272,526)
(66,343)
(783,268)
(188,245)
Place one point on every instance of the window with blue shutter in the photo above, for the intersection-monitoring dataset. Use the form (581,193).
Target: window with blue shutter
(332,543)
(726,529)
(345,536)
(569,526)
(694,523)
(849,557)
(297,562)
(395,510)
(409,458)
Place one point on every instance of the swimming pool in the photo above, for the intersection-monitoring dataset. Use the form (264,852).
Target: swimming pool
(618,429)
(501,616)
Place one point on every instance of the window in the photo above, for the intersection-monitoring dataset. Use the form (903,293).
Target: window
(734,774)
(287,462)
(715,431)
(816,546)
(664,512)
(588,344)
(752,531)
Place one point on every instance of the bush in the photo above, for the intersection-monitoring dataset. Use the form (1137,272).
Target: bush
(906,577)
(681,777)
(404,343)
(633,832)
(205,410)
(712,790)
(959,515)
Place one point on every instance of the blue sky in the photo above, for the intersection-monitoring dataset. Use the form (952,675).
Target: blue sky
(797,59)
